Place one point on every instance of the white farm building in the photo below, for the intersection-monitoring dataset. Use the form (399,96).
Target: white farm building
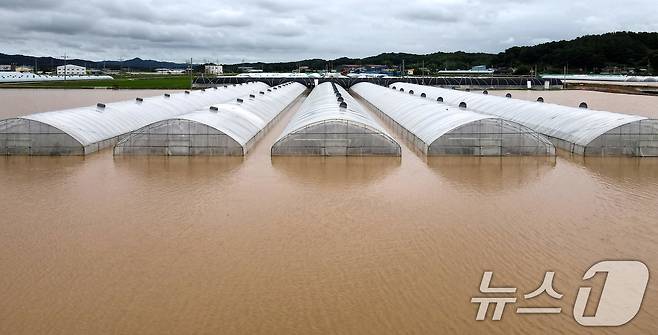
(71,70)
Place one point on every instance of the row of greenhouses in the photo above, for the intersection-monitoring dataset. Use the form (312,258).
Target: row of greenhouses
(19,77)
(85,130)
(437,129)
(228,129)
(230,119)
(577,130)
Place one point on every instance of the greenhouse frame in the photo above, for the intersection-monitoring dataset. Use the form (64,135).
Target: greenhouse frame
(437,129)
(229,129)
(577,130)
(81,131)
(330,122)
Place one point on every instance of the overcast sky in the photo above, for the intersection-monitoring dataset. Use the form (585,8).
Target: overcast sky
(287,30)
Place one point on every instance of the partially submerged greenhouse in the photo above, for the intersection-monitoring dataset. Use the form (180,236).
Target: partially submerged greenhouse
(332,123)
(85,130)
(438,129)
(576,130)
(228,129)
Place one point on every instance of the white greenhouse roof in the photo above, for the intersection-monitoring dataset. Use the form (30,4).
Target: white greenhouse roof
(322,105)
(93,124)
(574,125)
(243,121)
(15,77)
(425,118)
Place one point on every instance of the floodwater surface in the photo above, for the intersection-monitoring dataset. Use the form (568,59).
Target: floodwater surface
(291,245)
(15,102)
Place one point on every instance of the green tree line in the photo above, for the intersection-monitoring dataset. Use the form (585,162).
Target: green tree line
(587,54)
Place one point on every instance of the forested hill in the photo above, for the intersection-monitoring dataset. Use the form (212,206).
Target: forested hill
(592,53)
(587,53)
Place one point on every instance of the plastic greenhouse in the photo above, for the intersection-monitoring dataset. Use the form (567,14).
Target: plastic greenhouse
(18,77)
(438,129)
(228,129)
(85,130)
(577,130)
(332,123)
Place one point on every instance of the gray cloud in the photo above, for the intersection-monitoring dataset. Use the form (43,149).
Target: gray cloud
(272,30)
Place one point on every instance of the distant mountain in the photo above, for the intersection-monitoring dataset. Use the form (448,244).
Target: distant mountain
(143,64)
(592,53)
(49,63)
(439,60)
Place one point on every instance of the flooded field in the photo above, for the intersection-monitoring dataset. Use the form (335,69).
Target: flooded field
(261,245)
(15,102)
(621,103)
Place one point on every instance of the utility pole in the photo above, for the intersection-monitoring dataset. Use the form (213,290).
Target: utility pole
(565,73)
(423,72)
(65,66)
(536,74)
(564,78)
(403,73)
(191,80)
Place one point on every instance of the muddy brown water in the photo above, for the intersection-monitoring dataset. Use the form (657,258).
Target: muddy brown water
(135,245)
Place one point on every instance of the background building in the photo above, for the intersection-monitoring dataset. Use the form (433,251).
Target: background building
(71,70)
(24,69)
(214,69)
(170,71)
(249,69)
(478,70)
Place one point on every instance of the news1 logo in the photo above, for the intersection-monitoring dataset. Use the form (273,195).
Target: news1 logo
(620,300)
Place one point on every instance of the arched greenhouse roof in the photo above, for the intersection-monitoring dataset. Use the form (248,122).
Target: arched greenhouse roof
(94,124)
(418,115)
(574,125)
(443,129)
(331,122)
(244,119)
(322,105)
(15,77)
